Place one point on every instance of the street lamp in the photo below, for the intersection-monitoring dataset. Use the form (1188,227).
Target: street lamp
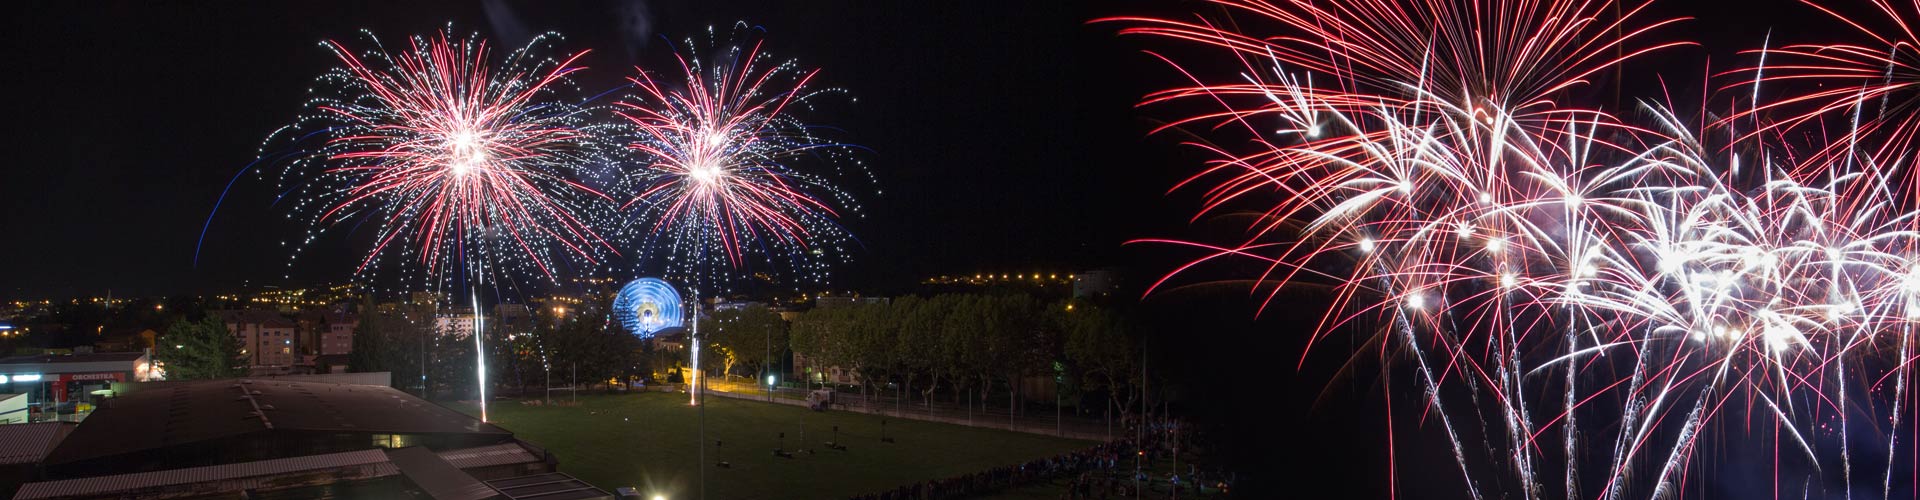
(768,360)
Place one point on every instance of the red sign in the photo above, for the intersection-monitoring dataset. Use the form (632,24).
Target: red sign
(116,377)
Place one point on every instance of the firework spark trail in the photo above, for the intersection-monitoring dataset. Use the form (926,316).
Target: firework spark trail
(1878,80)
(1432,388)
(1899,402)
(456,160)
(1469,193)
(720,142)
(473,170)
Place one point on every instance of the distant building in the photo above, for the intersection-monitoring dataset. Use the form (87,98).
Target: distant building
(458,325)
(1046,285)
(819,374)
(71,377)
(424,298)
(1099,283)
(330,363)
(735,306)
(511,318)
(844,301)
(127,341)
(336,334)
(266,338)
(13,409)
(670,341)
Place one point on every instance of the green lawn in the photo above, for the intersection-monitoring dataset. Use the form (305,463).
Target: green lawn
(648,440)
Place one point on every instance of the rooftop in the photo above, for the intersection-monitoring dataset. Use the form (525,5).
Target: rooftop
(73,363)
(364,464)
(72,358)
(549,486)
(182,413)
(264,317)
(30,443)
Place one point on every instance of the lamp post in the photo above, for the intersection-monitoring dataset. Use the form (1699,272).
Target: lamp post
(697,383)
(768,360)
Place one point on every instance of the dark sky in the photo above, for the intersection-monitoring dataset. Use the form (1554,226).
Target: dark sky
(1002,139)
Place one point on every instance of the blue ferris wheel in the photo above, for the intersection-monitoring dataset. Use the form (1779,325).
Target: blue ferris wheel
(647,306)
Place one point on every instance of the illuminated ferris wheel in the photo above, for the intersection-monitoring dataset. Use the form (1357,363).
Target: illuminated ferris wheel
(647,306)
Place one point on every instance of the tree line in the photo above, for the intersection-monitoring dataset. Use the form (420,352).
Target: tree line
(549,349)
(973,346)
(961,348)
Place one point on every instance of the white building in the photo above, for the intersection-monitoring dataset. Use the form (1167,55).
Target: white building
(336,334)
(266,338)
(458,325)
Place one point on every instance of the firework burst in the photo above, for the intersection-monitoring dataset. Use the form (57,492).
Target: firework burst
(467,169)
(472,170)
(1584,303)
(1848,99)
(721,139)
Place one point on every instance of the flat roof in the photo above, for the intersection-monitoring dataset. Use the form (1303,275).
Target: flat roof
(266,318)
(549,486)
(190,412)
(365,464)
(441,480)
(73,363)
(30,443)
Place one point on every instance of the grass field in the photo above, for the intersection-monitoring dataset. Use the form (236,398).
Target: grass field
(649,441)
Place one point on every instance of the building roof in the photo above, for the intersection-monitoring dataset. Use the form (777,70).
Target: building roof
(30,443)
(549,486)
(266,318)
(244,475)
(441,480)
(73,363)
(340,318)
(191,412)
(121,483)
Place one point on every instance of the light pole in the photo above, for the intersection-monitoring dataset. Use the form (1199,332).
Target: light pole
(480,351)
(696,384)
(767,360)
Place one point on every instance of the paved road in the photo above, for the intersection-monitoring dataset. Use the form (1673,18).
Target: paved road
(1036,421)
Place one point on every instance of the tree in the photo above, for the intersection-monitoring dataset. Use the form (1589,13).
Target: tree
(961,339)
(1014,343)
(393,340)
(583,342)
(370,347)
(917,345)
(1105,352)
(868,342)
(746,333)
(819,335)
(200,350)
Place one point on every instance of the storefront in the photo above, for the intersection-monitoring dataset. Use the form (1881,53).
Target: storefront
(77,386)
(60,378)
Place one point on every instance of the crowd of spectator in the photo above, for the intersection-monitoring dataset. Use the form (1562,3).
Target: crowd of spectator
(1106,470)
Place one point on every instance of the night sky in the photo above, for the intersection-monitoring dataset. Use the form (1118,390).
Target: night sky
(1001,140)
(1004,138)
